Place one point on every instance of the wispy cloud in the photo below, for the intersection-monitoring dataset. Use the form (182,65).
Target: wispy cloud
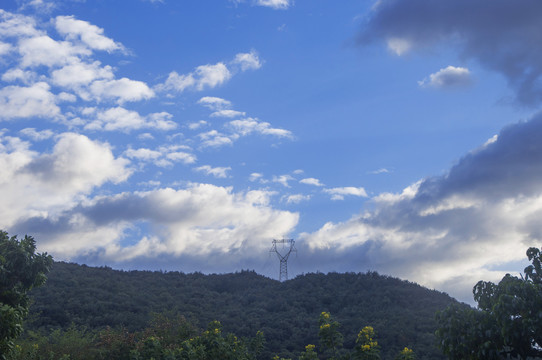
(449,77)
(339,193)
(218,172)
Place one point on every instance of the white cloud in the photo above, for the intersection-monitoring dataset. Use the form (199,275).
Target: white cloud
(197,125)
(275,4)
(448,77)
(214,103)
(214,139)
(399,46)
(122,90)
(42,50)
(181,156)
(227,113)
(121,119)
(15,74)
(218,172)
(16,25)
(252,125)
(311,181)
(143,154)
(283,180)
(79,74)
(247,61)
(91,35)
(255,176)
(452,230)
(339,193)
(5,48)
(202,221)
(203,77)
(296,198)
(34,184)
(24,102)
(210,76)
(37,135)
(379,171)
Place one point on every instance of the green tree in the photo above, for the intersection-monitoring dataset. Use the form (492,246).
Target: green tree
(21,269)
(330,337)
(366,346)
(507,323)
(406,354)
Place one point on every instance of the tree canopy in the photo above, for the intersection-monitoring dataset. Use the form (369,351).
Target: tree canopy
(21,269)
(401,312)
(507,323)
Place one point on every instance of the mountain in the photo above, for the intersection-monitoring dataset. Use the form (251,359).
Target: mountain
(402,313)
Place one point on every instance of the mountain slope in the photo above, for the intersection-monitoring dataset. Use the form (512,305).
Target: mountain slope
(401,312)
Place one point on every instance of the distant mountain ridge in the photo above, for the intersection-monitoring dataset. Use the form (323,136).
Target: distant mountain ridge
(401,312)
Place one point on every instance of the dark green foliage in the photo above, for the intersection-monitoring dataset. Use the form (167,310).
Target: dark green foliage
(507,323)
(287,313)
(166,338)
(21,269)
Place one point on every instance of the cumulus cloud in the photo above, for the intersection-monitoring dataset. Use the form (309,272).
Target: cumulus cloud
(91,35)
(164,156)
(214,103)
(32,101)
(37,135)
(296,198)
(248,126)
(449,77)
(43,50)
(17,25)
(33,183)
(247,61)
(339,193)
(80,74)
(200,221)
(181,156)
(209,76)
(450,231)
(121,119)
(283,180)
(203,77)
(121,89)
(504,38)
(214,139)
(311,181)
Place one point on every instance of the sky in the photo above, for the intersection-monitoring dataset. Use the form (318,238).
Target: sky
(397,136)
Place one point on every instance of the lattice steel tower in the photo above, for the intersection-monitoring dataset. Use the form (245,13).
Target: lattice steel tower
(289,245)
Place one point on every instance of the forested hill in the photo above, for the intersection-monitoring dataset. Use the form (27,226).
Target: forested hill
(402,313)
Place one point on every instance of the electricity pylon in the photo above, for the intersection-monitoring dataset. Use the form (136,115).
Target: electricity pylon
(283,257)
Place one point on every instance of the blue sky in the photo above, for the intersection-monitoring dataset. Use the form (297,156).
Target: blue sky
(392,135)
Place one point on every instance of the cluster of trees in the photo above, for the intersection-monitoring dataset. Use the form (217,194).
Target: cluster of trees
(331,344)
(21,269)
(507,323)
(170,337)
(287,313)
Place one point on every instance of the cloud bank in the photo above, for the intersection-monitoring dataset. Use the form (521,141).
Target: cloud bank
(502,35)
(452,230)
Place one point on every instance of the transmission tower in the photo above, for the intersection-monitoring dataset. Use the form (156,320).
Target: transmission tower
(287,244)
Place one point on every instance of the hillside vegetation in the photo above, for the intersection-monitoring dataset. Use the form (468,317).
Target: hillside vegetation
(402,313)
